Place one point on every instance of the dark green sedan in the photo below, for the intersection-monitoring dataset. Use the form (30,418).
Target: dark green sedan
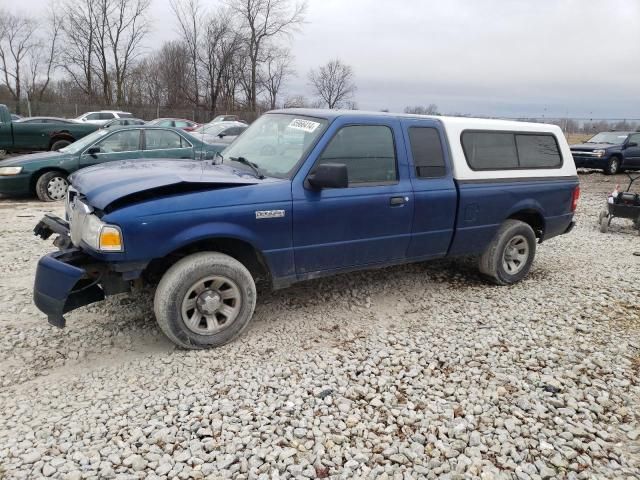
(45,174)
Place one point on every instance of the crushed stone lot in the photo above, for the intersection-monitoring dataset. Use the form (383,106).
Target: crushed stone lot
(419,371)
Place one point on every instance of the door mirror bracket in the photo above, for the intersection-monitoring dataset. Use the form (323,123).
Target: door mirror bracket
(329,175)
(93,151)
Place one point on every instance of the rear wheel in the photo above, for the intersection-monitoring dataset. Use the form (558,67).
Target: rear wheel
(52,186)
(509,256)
(205,300)
(58,144)
(613,166)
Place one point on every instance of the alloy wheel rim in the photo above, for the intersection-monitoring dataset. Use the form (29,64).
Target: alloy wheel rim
(57,188)
(515,255)
(211,305)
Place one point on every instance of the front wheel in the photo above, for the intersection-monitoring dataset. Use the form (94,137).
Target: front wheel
(509,256)
(52,186)
(613,166)
(205,300)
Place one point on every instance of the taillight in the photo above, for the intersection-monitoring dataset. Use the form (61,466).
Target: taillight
(574,198)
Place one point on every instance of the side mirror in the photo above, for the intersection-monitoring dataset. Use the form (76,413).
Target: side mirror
(93,150)
(632,144)
(329,175)
(221,135)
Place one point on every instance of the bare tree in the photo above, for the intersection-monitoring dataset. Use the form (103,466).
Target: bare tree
(77,57)
(262,20)
(220,48)
(189,14)
(17,42)
(45,57)
(432,109)
(276,68)
(333,83)
(126,29)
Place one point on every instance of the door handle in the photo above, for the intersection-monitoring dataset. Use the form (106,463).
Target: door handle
(398,201)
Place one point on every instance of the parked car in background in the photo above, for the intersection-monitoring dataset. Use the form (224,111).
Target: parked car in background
(123,122)
(227,118)
(102,117)
(21,136)
(220,132)
(610,152)
(186,125)
(15,117)
(45,174)
(355,190)
(44,120)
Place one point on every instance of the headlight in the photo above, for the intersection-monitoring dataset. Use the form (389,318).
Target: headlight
(100,236)
(599,153)
(10,170)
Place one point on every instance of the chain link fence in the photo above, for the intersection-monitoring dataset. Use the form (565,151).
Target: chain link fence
(145,112)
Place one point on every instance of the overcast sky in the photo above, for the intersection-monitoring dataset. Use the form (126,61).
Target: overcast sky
(487,57)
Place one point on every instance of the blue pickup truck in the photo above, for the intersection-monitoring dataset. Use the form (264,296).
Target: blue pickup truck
(302,194)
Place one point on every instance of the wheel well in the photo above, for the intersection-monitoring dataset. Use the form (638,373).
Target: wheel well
(39,173)
(533,219)
(61,136)
(242,251)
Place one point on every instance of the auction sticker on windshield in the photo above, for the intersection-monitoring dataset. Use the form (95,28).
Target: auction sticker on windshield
(304,125)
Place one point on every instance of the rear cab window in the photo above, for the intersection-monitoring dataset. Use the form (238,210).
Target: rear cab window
(495,150)
(426,150)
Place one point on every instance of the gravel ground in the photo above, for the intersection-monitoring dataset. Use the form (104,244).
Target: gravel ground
(420,371)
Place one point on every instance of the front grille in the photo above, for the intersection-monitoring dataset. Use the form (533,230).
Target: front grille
(583,153)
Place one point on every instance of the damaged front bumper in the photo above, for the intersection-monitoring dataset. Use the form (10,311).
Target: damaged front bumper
(62,285)
(70,278)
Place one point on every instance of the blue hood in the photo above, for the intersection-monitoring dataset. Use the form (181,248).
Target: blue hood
(103,184)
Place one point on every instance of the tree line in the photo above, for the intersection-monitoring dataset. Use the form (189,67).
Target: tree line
(228,57)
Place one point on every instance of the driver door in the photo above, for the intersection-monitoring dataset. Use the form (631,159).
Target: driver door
(632,152)
(367,223)
(120,145)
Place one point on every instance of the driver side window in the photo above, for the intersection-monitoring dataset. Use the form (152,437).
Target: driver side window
(124,141)
(368,151)
(635,138)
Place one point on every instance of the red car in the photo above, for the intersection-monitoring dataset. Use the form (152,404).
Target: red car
(186,125)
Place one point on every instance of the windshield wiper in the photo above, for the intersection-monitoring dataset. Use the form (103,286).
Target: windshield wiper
(249,164)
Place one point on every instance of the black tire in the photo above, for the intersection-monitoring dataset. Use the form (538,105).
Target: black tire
(179,281)
(602,214)
(604,224)
(499,263)
(52,186)
(613,166)
(58,144)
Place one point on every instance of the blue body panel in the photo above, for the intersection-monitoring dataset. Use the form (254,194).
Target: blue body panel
(484,205)
(171,223)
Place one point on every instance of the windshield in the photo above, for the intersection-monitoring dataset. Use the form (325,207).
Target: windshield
(84,142)
(614,138)
(275,143)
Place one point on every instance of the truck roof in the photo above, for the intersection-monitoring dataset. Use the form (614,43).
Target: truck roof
(454,127)
(493,124)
